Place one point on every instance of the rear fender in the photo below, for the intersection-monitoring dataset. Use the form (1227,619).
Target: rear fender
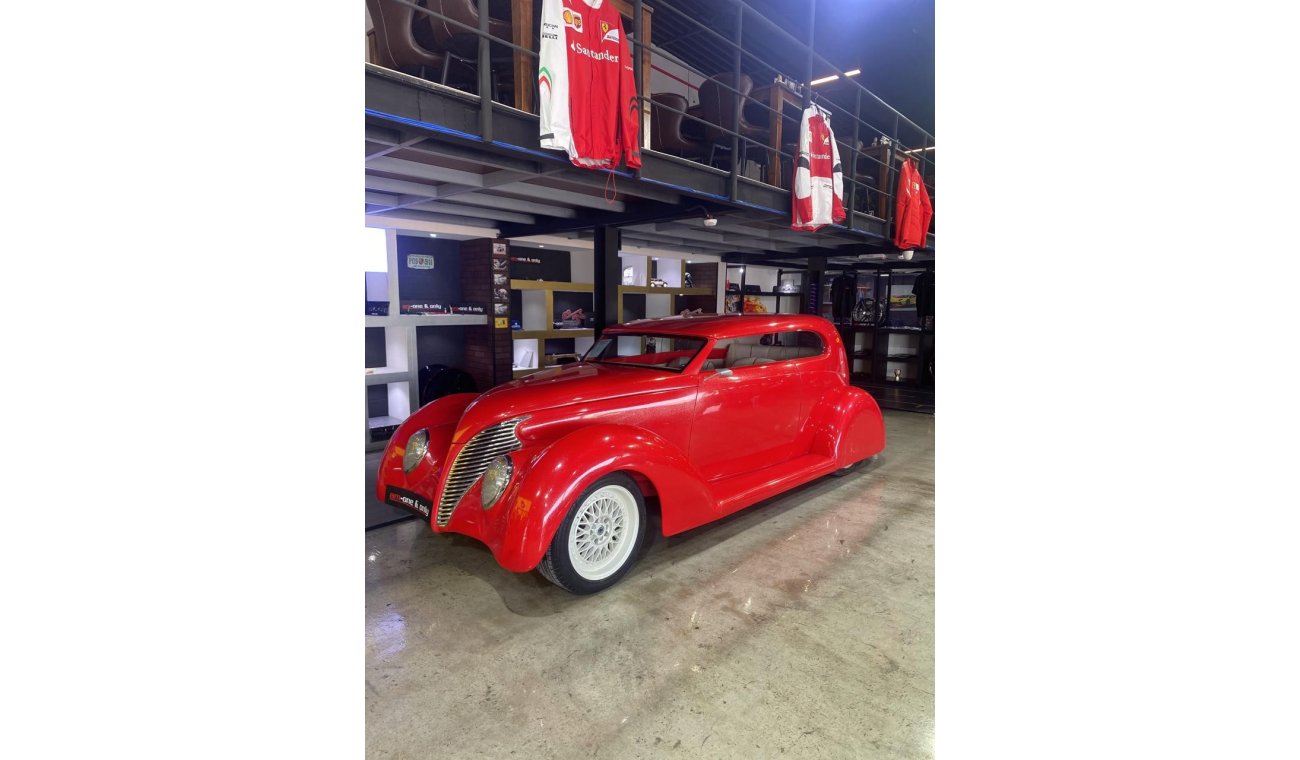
(564,469)
(848,426)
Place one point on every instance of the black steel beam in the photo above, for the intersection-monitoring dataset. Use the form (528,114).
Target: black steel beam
(608,274)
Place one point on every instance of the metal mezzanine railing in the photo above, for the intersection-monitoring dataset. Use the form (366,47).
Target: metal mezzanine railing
(869,171)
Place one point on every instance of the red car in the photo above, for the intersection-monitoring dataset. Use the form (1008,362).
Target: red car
(699,416)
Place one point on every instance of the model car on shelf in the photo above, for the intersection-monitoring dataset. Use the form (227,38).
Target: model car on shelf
(555,471)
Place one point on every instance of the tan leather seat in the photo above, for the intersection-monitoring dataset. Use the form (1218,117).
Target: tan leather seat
(737,352)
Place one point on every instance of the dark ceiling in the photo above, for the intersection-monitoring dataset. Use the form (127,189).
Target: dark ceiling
(891,41)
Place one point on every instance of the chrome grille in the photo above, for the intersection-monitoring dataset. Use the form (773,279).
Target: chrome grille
(473,461)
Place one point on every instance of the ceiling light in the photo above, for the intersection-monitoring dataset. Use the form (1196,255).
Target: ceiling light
(833,77)
(709,220)
(433,234)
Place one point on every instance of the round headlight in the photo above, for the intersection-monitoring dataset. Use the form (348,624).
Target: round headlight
(495,479)
(416,447)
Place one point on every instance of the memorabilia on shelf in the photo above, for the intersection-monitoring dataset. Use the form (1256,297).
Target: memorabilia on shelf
(537,469)
(629,276)
(688,280)
(658,283)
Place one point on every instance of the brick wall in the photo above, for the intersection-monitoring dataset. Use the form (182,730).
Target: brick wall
(488,353)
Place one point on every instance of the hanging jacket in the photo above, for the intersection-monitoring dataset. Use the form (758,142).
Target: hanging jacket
(818,195)
(913,212)
(586,86)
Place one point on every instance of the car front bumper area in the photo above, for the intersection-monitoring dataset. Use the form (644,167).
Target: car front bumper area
(420,490)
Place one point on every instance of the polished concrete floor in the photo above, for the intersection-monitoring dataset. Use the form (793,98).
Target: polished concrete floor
(801,627)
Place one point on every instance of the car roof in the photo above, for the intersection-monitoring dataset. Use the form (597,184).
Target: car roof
(725,326)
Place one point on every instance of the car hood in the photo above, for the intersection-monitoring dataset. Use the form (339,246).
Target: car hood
(571,384)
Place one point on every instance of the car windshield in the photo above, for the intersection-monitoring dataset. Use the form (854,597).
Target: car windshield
(661,352)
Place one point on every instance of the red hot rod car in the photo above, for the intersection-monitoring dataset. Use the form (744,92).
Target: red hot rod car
(701,415)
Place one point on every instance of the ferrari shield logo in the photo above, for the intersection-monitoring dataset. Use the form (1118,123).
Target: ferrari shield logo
(604,27)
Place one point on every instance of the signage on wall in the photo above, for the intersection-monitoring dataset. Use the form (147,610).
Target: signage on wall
(525,260)
(498,249)
(425,307)
(419,261)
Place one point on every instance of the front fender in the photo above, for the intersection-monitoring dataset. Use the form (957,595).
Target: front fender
(439,417)
(565,468)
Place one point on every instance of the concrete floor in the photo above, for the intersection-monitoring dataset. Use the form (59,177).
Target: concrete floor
(802,627)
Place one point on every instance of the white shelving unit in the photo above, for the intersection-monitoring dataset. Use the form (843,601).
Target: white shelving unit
(401,372)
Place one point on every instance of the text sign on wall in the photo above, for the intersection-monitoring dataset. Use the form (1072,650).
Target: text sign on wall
(419,261)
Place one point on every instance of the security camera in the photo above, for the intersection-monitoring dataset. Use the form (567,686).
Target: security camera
(710,222)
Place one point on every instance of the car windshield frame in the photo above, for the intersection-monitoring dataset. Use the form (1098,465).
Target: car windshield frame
(613,337)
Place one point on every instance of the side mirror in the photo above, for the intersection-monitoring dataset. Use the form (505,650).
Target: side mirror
(724,372)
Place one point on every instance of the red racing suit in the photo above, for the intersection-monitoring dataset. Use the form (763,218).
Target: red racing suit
(586,86)
(913,212)
(818,195)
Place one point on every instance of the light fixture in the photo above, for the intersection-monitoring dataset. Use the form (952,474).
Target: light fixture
(833,77)
(709,220)
(433,234)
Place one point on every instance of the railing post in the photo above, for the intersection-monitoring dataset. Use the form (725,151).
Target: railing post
(808,70)
(853,158)
(484,73)
(740,108)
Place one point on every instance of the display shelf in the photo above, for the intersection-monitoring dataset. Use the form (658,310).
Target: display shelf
(383,376)
(902,357)
(426,320)
(384,421)
(568,287)
(667,291)
(576,332)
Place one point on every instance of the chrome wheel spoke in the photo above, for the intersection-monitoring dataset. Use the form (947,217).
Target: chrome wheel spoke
(602,532)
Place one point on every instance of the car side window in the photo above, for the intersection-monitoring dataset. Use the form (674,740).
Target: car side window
(755,350)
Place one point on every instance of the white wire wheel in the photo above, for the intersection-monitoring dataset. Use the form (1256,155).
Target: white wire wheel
(598,540)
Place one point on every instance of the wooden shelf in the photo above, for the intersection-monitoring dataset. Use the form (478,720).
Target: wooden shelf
(577,332)
(665,291)
(570,287)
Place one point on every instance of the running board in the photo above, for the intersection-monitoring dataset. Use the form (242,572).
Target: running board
(738,492)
